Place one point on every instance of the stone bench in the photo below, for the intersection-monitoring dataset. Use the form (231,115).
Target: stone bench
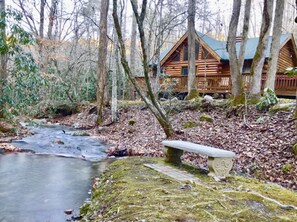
(219,162)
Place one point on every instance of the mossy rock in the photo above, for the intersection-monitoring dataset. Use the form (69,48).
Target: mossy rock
(295,149)
(131,122)
(190,124)
(206,118)
(129,191)
(280,107)
(80,133)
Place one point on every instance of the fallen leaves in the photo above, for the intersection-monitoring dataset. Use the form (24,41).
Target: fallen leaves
(262,148)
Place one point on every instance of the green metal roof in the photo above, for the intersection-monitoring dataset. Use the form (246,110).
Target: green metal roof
(219,47)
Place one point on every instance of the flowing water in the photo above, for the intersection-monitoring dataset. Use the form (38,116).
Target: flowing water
(40,186)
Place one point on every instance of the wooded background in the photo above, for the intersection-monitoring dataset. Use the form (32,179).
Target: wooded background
(53,51)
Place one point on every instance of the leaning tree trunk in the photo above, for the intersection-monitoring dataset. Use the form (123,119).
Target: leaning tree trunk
(102,74)
(192,90)
(158,51)
(237,87)
(258,61)
(275,45)
(3,60)
(114,89)
(150,101)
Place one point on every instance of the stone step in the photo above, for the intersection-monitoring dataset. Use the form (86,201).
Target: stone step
(176,174)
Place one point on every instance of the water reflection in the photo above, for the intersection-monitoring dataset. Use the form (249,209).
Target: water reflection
(40,188)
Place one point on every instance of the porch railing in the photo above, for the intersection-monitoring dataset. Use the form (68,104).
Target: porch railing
(284,85)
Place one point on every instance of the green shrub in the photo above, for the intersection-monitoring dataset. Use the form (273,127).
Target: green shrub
(295,149)
(269,99)
(287,167)
(206,118)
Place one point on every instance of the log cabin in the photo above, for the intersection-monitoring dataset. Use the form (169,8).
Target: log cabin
(212,65)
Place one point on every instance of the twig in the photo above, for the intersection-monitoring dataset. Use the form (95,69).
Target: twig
(215,219)
(221,204)
(283,206)
(239,212)
(292,120)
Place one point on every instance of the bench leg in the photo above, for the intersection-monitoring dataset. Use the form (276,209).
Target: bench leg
(219,167)
(173,155)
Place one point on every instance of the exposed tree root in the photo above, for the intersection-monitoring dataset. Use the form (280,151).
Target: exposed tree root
(283,206)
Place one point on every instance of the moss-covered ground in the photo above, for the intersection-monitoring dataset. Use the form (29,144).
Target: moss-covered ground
(129,191)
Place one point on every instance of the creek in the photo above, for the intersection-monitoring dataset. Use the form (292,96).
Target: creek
(55,176)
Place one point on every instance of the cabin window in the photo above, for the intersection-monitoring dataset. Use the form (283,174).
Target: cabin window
(176,58)
(186,53)
(196,49)
(246,68)
(184,71)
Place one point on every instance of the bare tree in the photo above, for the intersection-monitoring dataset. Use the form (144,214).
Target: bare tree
(275,44)
(41,18)
(258,61)
(192,90)
(237,89)
(158,48)
(236,63)
(133,50)
(115,74)
(3,59)
(102,74)
(150,100)
(245,31)
(52,18)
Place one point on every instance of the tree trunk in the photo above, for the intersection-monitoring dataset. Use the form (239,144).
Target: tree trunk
(245,31)
(275,45)
(102,72)
(237,88)
(192,90)
(114,89)
(151,102)
(41,20)
(52,17)
(40,40)
(133,51)
(158,50)
(259,58)
(3,61)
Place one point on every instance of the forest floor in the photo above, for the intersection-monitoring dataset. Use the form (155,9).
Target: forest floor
(263,143)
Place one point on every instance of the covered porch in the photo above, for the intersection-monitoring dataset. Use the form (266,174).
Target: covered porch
(284,85)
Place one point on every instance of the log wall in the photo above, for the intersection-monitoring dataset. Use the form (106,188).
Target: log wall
(287,57)
(213,76)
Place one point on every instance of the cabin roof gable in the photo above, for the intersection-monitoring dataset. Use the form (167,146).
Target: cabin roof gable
(218,48)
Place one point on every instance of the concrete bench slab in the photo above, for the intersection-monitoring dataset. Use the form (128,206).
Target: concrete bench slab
(219,162)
